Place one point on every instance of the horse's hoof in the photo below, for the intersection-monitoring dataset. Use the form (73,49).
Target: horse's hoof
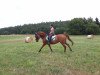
(39,51)
(51,51)
(70,50)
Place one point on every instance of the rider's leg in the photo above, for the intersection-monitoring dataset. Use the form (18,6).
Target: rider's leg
(49,38)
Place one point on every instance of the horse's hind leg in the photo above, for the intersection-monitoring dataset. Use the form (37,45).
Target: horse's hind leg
(64,47)
(68,46)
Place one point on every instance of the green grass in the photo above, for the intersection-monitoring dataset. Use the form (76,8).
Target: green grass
(20,58)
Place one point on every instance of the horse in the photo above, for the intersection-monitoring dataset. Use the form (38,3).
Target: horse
(59,38)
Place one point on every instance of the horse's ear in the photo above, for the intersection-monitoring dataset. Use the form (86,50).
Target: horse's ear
(35,32)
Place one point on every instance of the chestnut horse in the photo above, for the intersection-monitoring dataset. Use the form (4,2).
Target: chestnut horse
(59,38)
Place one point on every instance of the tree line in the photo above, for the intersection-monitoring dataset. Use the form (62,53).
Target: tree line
(76,26)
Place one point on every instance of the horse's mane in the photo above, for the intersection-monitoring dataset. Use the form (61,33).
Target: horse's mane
(41,33)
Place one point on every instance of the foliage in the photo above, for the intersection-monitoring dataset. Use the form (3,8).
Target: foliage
(81,26)
(76,26)
(97,21)
(92,28)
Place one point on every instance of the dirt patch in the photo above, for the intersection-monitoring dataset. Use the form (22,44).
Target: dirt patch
(78,72)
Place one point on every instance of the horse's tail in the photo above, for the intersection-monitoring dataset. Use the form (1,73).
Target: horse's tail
(68,38)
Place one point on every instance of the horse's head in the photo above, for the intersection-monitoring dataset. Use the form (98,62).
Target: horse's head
(39,35)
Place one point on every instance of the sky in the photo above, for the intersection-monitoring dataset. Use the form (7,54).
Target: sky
(19,12)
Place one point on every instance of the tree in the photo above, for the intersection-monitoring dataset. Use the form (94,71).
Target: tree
(77,26)
(60,30)
(92,28)
(97,21)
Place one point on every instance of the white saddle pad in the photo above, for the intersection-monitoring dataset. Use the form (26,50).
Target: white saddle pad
(52,39)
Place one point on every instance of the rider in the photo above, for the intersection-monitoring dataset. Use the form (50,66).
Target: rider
(51,33)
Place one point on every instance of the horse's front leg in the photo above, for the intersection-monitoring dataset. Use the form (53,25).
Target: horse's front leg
(50,47)
(42,46)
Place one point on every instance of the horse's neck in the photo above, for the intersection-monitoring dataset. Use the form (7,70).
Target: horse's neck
(43,37)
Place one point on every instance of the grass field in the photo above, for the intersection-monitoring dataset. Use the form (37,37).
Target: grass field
(20,58)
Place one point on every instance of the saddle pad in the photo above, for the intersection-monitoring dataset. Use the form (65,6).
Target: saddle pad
(53,38)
